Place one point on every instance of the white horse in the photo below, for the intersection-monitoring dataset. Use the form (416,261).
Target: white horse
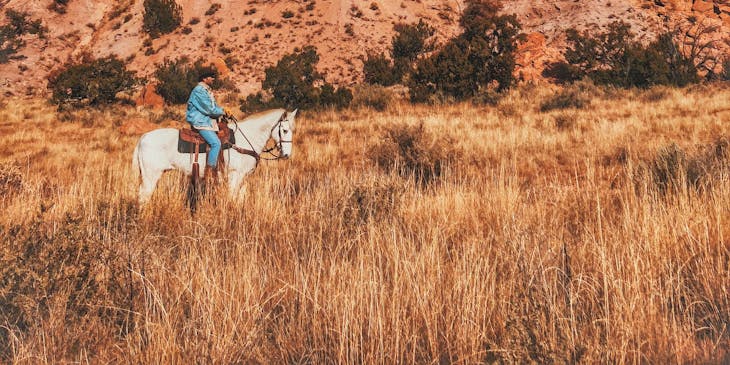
(156,151)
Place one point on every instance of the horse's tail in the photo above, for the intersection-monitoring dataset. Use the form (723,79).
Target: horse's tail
(135,162)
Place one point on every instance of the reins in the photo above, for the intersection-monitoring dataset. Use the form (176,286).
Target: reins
(252,152)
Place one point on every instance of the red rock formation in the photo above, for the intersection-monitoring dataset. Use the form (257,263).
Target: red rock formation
(530,57)
(148,96)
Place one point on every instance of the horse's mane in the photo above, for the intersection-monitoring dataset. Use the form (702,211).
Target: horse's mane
(261,114)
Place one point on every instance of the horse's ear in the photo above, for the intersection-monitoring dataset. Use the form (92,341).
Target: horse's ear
(291,118)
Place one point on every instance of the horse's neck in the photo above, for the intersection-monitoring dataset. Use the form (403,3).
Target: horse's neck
(256,133)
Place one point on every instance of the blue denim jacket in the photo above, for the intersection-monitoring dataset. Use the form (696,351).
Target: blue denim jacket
(202,107)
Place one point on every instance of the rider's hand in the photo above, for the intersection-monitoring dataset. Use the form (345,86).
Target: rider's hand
(227,112)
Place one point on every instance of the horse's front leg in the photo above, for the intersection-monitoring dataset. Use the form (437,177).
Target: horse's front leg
(235,184)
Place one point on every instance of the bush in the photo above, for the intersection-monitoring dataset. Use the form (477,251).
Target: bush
(562,72)
(59,6)
(565,99)
(413,152)
(292,80)
(481,57)
(378,70)
(410,41)
(337,98)
(257,102)
(11,34)
(64,269)
(161,17)
(213,9)
(92,81)
(372,96)
(369,201)
(616,57)
(177,78)
(291,83)
(673,170)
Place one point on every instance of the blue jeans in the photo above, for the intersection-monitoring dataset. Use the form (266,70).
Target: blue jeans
(215,146)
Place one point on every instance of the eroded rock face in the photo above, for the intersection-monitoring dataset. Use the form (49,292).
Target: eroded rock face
(531,57)
(148,96)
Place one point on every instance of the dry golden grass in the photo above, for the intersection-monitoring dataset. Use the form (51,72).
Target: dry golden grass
(548,237)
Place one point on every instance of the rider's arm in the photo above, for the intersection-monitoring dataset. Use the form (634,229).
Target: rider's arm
(205,104)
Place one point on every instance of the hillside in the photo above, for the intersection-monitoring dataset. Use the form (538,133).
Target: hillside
(253,34)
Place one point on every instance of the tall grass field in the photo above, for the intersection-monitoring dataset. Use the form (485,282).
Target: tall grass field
(577,225)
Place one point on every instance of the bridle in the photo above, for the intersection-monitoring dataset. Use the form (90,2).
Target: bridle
(280,144)
(252,152)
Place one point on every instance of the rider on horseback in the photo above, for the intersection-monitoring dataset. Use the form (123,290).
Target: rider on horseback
(201,111)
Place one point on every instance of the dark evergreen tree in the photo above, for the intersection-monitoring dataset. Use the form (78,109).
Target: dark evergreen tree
(161,17)
(177,78)
(409,42)
(616,57)
(483,55)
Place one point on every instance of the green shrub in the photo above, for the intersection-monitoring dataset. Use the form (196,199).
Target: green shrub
(213,9)
(177,78)
(450,71)
(336,98)
(410,41)
(564,99)
(291,83)
(562,72)
(372,96)
(616,57)
(91,81)
(482,56)
(161,17)
(257,102)
(59,6)
(11,34)
(378,70)
(292,80)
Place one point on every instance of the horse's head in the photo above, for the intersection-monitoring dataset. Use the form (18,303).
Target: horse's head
(283,133)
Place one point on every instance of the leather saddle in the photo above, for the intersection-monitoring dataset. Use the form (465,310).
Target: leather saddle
(190,138)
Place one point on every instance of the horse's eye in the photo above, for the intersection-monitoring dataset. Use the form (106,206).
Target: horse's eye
(285,131)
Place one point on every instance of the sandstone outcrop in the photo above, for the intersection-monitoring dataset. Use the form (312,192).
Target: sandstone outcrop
(148,96)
